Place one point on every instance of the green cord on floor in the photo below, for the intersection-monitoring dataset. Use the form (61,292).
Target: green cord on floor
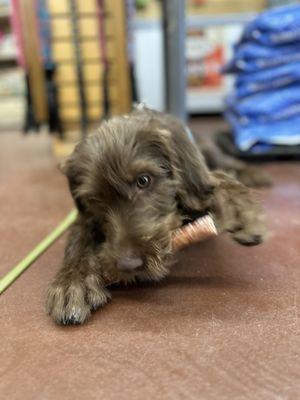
(17,270)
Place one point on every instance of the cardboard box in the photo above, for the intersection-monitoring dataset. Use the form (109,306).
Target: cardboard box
(152,8)
(219,7)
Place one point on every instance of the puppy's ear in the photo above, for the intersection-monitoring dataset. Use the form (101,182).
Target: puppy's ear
(196,183)
(70,168)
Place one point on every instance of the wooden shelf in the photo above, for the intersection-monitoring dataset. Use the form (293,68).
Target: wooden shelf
(7,58)
(4,12)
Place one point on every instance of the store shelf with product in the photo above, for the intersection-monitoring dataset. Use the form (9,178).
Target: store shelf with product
(4,9)
(196,21)
(150,9)
(4,12)
(208,48)
(12,87)
(212,27)
(7,47)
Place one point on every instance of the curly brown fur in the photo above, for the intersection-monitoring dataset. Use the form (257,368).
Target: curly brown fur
(123,232)
(216,159)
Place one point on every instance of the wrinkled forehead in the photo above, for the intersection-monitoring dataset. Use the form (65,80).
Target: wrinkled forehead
(123,149)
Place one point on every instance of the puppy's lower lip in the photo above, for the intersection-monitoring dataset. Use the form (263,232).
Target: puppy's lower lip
(130,271)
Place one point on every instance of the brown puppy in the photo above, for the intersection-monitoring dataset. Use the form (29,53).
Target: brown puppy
(135,181)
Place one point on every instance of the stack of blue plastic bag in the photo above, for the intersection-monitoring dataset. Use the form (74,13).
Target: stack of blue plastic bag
(264,109)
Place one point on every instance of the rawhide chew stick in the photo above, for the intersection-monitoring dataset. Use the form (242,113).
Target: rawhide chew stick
(193,232)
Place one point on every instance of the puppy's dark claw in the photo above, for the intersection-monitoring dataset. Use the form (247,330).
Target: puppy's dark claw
(248,240)
(72,320)
(71,304)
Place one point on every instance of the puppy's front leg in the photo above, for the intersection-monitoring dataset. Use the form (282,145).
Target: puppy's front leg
(77,288)
(236,210)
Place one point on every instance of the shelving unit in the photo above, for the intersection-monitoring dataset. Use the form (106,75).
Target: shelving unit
(11,77)
(92,62)
(194,21)
(209,20)
(4,12)
(5,32)
(7,58)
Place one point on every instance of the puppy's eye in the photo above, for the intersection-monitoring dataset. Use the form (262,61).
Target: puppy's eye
(143,181)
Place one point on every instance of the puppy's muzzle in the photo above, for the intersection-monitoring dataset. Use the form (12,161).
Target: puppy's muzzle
(129,261)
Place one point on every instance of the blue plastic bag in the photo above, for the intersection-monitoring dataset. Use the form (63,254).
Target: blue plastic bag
(275,27)
(253,57)
(267,79)
(285,132)
(263,107)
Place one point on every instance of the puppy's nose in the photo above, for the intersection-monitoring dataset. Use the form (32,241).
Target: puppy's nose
(129,262)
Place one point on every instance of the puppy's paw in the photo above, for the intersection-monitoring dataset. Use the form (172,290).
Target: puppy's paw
(72,302)
(248,239)
(252,231)
(96,295)
(239,211)
(254,176)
